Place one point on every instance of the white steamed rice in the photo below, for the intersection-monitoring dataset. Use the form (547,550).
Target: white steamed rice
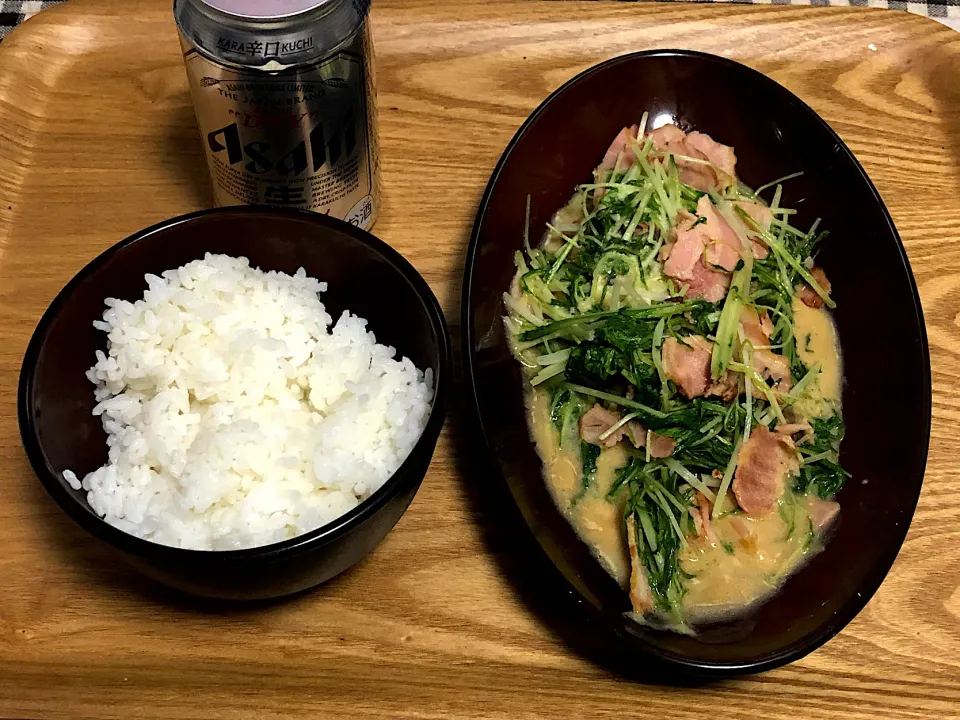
(236,416)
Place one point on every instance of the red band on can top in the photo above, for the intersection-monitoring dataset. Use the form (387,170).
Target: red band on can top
(264,9)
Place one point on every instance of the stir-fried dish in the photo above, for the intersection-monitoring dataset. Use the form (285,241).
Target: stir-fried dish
(682,376)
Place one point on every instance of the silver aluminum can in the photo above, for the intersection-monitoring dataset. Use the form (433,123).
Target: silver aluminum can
(286,103)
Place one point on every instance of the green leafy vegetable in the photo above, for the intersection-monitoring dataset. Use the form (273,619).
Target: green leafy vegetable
(659,537)
(821,472)
(588,475)
(595,365)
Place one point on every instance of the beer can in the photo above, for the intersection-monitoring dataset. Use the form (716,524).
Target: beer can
(286,103)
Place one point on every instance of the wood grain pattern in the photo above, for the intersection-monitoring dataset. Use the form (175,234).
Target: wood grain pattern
(448,617)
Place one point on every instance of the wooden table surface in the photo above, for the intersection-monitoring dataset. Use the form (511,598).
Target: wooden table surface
(448,617)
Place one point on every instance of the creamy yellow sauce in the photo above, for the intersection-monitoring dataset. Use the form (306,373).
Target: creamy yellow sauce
(744,567)
(597,520)
(816,339)
(752,556)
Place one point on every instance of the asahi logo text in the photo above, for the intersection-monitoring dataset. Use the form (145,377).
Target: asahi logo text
(260,157)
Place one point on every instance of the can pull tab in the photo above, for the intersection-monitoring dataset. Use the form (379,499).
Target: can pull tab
(264,9)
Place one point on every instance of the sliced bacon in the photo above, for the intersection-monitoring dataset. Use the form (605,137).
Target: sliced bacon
(667,137)
(595,422)
(808,296)
(760,251)
(640,596)
(753,326)
(822,512)
(727,387)
(685,264)
(766,324)
(720,155)
(721,255)
(622,148)
(718,176)
(765,461)
(598,420)
(636,434)
(757,328)
(791,429)
(665,250)
(661,446)
(701,519)
(687,364)
(723,246)
(707,283)
(685,252)
(704,251)
(764,217)
(773,366)
(758,211)
(701,177)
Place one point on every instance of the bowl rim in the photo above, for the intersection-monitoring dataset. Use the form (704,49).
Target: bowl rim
(874,579)
(325,534)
